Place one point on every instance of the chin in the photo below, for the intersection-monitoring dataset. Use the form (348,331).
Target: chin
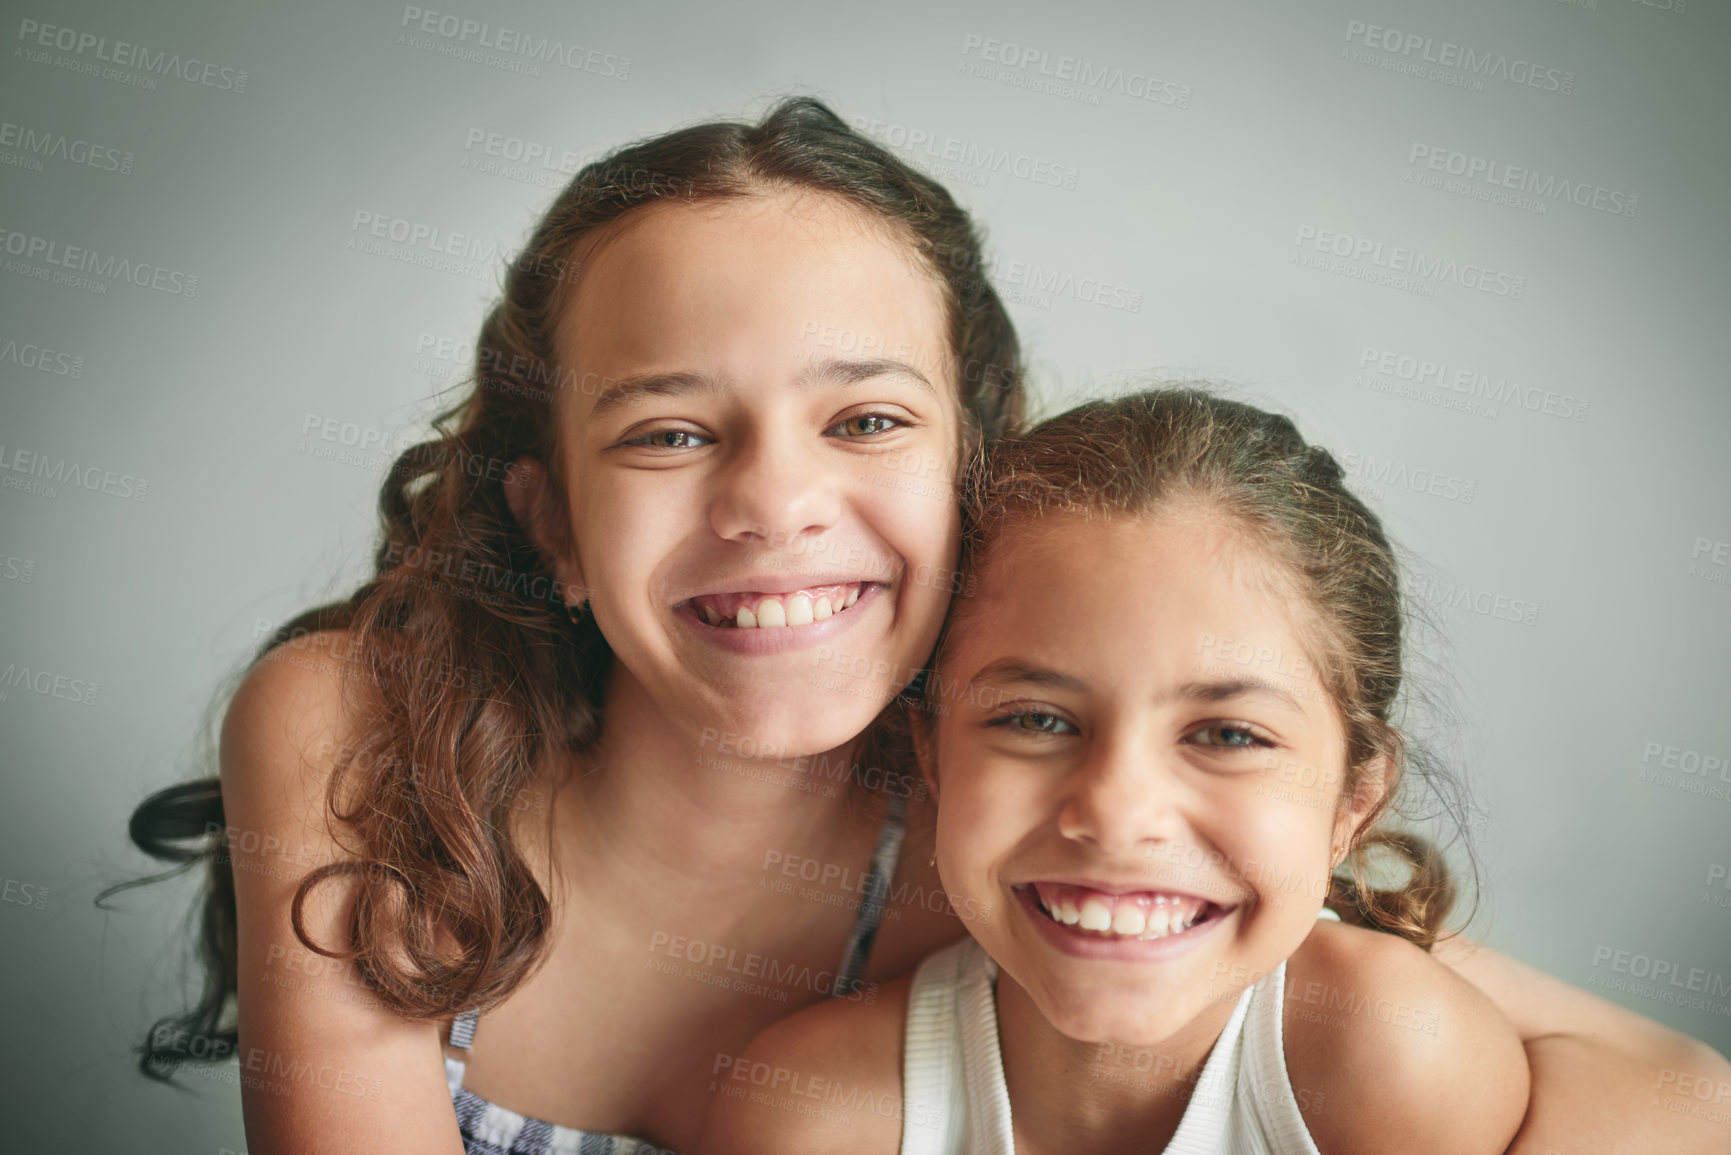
(1129,1021)
(788,725)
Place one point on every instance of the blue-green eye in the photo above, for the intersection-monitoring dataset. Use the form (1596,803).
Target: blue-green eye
(1228,735)
(865,424)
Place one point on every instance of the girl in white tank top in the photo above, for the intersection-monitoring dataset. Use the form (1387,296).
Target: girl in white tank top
(955,1101)
(1155,733)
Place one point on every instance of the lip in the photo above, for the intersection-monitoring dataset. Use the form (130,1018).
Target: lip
(1113,950)
(782,639)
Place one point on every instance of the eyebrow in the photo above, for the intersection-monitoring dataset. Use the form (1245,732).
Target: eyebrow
(626,390)
(845,372)
(1014,670)
(839,371)
(1234,688)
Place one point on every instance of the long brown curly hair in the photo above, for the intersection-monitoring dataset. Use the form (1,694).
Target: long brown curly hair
(472,667)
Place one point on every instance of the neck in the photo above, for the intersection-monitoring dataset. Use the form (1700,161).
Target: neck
(655,801)
(1104,1096)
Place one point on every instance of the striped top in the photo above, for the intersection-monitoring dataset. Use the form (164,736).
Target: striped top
(489,1129)
(956,1102)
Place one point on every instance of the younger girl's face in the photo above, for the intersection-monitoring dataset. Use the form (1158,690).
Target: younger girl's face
(1139,773)
(759,448)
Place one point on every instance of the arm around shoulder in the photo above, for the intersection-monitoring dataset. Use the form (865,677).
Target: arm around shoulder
(324,1066)
(1396,1052)
(815,1083)
(1604,1079)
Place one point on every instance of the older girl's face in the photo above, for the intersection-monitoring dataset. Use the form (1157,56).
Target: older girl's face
(1139,774)
(759,448)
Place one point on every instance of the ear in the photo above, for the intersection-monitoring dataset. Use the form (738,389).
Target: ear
(529,493)
(1375,782)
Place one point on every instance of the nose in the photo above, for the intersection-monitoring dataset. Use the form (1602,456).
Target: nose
(773,491)
(1123,798)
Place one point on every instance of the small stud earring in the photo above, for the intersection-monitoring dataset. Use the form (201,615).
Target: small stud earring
(934,860)
(574,610)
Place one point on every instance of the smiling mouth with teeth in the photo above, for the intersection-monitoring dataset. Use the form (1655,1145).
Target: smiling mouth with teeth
(754,611)
(1142,915)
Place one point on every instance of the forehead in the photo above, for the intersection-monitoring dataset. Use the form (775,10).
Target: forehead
(1146,599)
(745,283)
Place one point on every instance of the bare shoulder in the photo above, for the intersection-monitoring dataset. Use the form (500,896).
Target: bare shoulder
(825,1079)
(320,1055)
(294,697)
(1371,1019)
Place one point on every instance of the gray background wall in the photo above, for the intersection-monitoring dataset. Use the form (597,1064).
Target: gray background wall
(1569,512)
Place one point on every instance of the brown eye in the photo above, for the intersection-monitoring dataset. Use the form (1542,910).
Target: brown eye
(866,424)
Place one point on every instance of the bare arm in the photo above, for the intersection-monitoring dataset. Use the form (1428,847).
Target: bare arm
(1604,1078)
(323,1067)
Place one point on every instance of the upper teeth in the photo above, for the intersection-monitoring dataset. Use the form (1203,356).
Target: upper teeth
(1145,916)
(773,611)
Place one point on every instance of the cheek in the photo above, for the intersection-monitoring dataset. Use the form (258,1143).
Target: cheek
(916,518)
(623,533)
(984,811)
(910,496)
(1280,849)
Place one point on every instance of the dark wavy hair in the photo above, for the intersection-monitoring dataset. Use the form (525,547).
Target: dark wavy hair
(1129,455)
(472,667)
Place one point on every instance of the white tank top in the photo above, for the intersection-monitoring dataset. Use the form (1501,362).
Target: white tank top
(955,1100)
